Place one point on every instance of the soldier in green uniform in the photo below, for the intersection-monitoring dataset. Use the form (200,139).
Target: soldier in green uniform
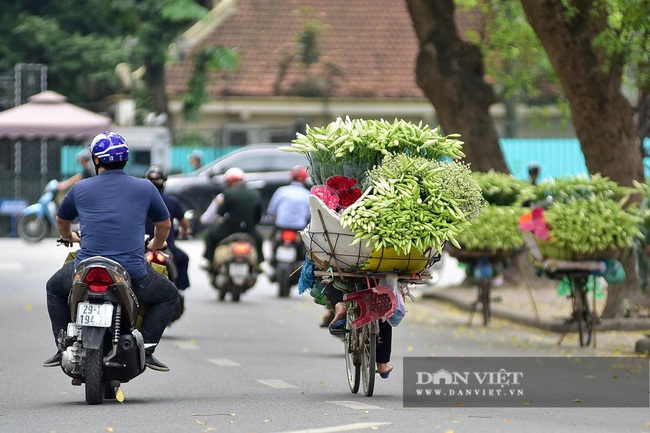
(240,209)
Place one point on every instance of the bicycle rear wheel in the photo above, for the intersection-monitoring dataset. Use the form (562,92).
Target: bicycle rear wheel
(484,297)
(369,357)
(352,352)
(583,315)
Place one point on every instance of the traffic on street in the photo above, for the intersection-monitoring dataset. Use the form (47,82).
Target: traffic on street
(260,365)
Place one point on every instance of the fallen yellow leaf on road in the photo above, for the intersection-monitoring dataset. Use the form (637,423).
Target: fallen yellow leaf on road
(119,396)
(409,349)
(109,429)
(28,307)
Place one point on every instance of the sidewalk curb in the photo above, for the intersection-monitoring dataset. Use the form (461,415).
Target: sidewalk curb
(626,324)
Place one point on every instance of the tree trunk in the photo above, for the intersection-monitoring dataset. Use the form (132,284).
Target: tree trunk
(154,79)
(450,72)
(603,118)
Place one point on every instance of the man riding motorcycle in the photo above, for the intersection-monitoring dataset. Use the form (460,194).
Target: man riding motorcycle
(289,206)
(241,209)
(158,177)
(112,208)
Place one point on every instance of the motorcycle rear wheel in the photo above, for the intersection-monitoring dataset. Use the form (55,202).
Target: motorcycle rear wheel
(94,376)
(284,281)
(33,228)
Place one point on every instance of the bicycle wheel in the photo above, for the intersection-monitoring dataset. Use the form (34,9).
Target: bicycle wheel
(352,358)
(484,296)
(586,320)
(369,357)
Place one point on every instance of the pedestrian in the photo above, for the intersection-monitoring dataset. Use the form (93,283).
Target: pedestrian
(533,172)
(195,159)
(112,208)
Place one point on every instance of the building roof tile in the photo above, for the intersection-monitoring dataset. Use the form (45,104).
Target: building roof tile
(371,43)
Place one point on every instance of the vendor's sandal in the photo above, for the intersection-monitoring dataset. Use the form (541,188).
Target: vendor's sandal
(385,375)
(338,327)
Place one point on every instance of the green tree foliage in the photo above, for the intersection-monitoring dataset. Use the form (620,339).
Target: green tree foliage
(75,38)
(81,42)
(514,58)
(205,60)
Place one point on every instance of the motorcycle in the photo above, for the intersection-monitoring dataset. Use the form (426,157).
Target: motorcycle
(166,260)
(36,221)
(289,253)
(102,347)
(235,265)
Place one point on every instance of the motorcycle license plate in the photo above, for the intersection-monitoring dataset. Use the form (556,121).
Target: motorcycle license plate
(99,315)
(285,254)
(238,270)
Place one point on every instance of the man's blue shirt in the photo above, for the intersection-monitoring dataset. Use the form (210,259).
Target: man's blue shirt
(290,205)
(113,208)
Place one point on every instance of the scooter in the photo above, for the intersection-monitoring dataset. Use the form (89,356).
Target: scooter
(36,221)
(288,255)
(102,348)
(235,264)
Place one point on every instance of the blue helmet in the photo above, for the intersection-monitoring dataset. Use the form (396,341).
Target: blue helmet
(109,147)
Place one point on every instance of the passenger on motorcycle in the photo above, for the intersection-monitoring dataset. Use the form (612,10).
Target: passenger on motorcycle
(289,206)
(112,208)
(158,177)
(240,209)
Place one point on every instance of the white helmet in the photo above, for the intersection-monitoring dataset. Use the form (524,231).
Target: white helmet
(233,174)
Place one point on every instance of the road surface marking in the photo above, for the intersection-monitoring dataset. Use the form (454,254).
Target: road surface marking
(355,404)
(223,362)
(186,345)
(276,383)
(342,428)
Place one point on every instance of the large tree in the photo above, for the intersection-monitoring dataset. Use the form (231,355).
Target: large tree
(582,39)
(591,77)
(450,71)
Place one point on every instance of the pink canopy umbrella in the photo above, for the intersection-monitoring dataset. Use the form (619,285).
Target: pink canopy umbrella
(48,115)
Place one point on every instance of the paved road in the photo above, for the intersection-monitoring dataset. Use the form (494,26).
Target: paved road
(262,365)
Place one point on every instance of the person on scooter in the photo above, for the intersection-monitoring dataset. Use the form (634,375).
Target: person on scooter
(158,177)
(289,205)
(240,209)
(87,170)
(112,208)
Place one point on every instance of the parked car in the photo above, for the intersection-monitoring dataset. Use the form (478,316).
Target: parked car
(266,166)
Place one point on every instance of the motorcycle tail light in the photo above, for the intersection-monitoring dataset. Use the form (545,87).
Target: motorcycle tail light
(98,280)
(241,248)
(288,236)
(156,257)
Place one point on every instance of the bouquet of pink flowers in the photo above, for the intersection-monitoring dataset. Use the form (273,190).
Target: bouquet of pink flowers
(535,222)
(327,195)
(338,193)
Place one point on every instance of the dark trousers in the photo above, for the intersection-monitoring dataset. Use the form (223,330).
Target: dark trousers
(154,289)
(215,234)
(182,261)
(384,344)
